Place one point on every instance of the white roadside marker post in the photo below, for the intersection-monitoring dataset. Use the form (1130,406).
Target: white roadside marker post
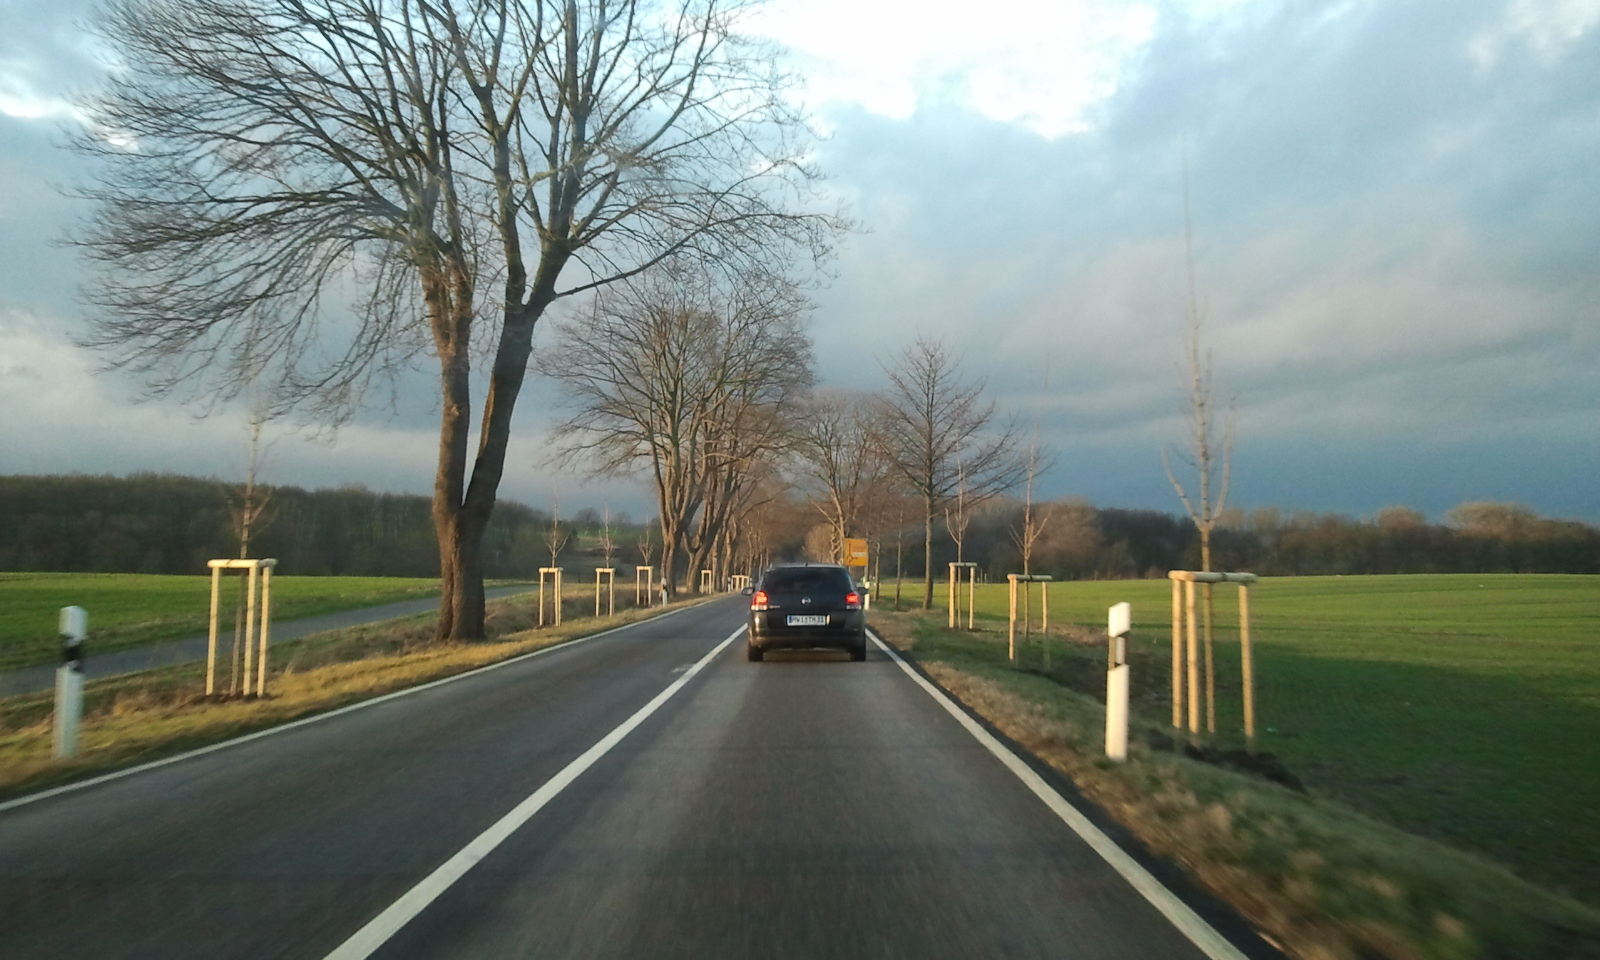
(69,682)
(1119,623)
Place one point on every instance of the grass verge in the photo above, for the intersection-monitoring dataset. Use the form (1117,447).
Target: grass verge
(131,609)
(1462,708)
(1319,879)
(145,716)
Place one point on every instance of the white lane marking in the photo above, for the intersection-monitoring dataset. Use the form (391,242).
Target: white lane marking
(1189,923)
(270,731)
(386,924)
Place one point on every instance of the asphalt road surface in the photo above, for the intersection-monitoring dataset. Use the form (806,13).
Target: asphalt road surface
(647,793)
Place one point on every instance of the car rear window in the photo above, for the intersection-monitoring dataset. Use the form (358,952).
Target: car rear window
(806,580)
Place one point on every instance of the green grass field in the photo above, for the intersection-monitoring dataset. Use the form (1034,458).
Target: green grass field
(130,609)
(1464,708)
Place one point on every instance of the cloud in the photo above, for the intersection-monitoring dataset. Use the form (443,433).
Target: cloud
(45,52)
(1040,63)
(1393,221)
(64,417)
(1393,251)
(1546,28)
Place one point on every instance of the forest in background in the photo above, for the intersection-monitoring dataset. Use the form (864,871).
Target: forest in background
(1082,542)
(161,523)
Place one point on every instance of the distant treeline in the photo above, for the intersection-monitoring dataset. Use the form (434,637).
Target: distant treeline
(1082,542)
(158,523)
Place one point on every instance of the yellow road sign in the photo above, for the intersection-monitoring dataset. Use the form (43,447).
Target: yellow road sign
(855,552)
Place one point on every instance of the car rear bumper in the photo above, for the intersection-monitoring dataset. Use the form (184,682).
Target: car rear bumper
(844,631)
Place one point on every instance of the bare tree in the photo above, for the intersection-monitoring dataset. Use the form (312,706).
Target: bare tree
(557,534)
(608,545)
(838,463)
(958,515)
(1035,517)
(682,375)
(744,536)
(348,185)
(903,512)
(770,518)
(934,428)
(1209,454)
(1034,520)
(646,546)
(248,507)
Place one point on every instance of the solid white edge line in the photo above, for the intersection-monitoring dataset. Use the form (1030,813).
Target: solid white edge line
(1190,924)
(317,718)
(386,924)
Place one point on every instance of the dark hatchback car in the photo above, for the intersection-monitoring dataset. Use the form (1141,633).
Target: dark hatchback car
(806,606)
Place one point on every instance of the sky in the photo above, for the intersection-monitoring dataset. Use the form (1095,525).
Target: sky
(1394,208)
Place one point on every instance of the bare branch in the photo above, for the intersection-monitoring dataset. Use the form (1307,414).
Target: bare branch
(940,437)
(687,379)
(348,187)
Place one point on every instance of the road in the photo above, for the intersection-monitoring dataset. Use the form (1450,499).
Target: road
(648,793)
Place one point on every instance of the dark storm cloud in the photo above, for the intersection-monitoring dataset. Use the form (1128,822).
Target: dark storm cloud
(1394,211)
(36,272)
(1394,239)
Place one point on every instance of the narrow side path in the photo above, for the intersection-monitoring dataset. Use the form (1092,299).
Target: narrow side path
(170,652)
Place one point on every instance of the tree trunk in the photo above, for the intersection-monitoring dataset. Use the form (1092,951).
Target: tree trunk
(461,510)
(927,556)
(460,533)
(899,551)
(669,557)
(698,555)
(449,481)
(1208,601)
(461,601)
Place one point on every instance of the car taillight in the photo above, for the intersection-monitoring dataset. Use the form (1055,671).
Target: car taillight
(759,600)
(852,601)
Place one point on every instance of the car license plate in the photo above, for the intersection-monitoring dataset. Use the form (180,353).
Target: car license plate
(809,620)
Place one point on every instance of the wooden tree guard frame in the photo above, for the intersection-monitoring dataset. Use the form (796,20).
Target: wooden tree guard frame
(609,574)
(1012,580)
(1185,647)
(955,582)
(253,567)
(554,574)
(644,581)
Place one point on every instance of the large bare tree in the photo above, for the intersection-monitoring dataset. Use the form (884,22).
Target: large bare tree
(684,375)
(347,185)
(939,435)
(838,463)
